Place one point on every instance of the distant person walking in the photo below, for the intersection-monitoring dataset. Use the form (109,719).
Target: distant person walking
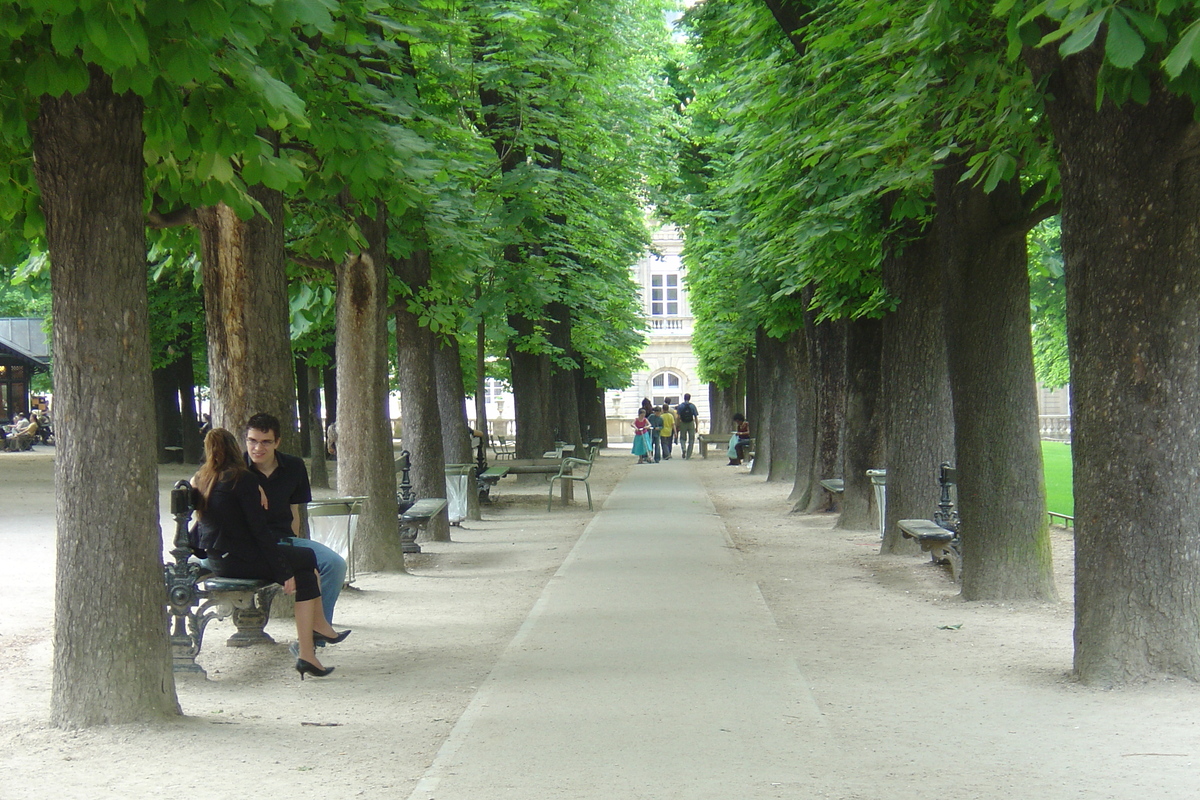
(641,437)
(687,424)
(656,423)
(667,435)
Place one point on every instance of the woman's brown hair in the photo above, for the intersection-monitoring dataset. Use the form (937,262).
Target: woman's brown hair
(222,462)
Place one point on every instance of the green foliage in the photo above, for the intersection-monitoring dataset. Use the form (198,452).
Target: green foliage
(176,302)
(1142,41)
(1048,305)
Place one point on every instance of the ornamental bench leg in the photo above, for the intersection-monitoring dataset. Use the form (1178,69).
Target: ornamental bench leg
(251,615)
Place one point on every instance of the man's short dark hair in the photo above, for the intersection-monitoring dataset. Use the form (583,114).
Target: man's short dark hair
(264,422)
(687,397)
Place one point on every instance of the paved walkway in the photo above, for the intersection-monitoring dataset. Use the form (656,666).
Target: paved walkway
(649,668)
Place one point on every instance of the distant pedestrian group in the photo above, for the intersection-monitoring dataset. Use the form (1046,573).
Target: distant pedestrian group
(658,428)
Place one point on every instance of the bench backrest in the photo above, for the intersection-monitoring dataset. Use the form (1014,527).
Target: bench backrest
(946,515)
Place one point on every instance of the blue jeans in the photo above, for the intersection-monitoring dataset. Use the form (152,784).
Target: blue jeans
(332,569)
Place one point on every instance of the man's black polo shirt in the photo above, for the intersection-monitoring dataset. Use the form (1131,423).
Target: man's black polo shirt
(287,486)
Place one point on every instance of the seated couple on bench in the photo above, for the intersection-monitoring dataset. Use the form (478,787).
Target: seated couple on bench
(246,505)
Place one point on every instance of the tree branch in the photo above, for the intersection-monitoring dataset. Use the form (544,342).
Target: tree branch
(322,264)
(178,218)
(792,17)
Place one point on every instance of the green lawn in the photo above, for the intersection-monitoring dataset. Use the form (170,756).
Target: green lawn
(1056,460)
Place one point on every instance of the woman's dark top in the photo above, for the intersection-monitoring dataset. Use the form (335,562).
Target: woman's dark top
(233,529)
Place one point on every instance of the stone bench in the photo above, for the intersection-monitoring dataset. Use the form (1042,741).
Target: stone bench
(718,440)
(416,518)
(487,481)
(939,536)
(836,487)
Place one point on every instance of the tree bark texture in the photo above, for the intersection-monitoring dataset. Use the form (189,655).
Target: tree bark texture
(864,422)
(365,464)
(452,410)
(318,467)
(1131,237)
(916,381)
(1001,491)
(167,419)
(246,315)
(806,423)
(766,377)
(303,412)
(417,377)
(563,390)
(112,663)
(785,459)
(531,382)
(185,379)
(827,360)
(593,419)
(767,371)
(725,401)
(329,377)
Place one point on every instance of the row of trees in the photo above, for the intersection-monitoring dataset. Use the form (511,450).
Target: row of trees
(858,190)
(303,176)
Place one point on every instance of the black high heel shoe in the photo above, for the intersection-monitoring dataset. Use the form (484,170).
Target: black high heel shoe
(303,667)
(320,637)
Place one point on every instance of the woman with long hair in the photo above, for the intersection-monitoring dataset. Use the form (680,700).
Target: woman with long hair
(231,509)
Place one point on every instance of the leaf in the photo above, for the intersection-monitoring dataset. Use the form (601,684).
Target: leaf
(1184,52)
(949,627)
(213,166)
(1084,35)
(1123,47)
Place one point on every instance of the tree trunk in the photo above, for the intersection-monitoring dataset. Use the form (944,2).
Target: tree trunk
(917,410)
(751,399)
(247,316)
(1001,492)
(593,419)
(806,423)
(481,419)
(864,422)
(303,412)
(318,467)
(765,369)
(786,376)
(565,404)
(452,410)
(112,663)
(365,463)
(827,359)
(418,395)
(185,378)
(167,419)
(531,379)
(725,401)
(1132,247)
(329,378)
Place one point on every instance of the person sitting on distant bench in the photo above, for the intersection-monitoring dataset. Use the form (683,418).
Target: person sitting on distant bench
(23,432)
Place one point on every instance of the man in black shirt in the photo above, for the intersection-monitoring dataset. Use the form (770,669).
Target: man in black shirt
(284,479)
(687,424)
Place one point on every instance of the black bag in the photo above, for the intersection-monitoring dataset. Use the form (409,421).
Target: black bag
(687,412)
(194,542)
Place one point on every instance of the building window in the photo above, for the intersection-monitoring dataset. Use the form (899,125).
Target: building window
(492,389)
(665,388)
(664,295)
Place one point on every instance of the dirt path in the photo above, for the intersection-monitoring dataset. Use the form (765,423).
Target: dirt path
(921,695)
